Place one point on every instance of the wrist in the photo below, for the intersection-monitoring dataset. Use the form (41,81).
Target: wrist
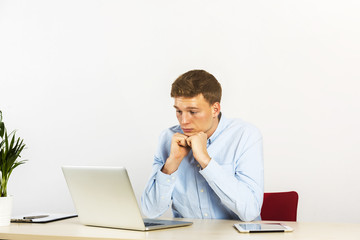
(204,161)
(170,166)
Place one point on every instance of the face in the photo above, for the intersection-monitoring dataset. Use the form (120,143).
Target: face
(197,115)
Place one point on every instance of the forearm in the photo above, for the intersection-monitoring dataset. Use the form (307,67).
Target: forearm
(242,196)
(170,166)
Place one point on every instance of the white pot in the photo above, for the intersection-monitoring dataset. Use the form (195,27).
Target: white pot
(5,210)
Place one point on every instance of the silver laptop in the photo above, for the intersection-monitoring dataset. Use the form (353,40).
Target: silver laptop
(103,196)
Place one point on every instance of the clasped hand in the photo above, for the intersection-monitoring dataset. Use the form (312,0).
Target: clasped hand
(180,147)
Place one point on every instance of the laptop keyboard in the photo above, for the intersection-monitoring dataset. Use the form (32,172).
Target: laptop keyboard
(149,224)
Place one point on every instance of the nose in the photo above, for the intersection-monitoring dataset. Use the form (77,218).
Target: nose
(185,118)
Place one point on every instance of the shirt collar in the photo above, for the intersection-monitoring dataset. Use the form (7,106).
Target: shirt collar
(220,127)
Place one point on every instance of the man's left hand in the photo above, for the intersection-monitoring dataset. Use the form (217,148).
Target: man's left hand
(198,144)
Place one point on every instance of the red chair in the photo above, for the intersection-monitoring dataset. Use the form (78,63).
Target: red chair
(280,206)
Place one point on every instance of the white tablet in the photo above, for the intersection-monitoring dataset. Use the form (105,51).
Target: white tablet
(262,227)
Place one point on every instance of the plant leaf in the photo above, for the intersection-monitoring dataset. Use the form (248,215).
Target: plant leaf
(2,129)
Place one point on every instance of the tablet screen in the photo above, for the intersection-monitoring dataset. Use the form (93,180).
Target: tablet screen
(262,227)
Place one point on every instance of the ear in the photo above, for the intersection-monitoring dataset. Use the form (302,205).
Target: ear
(216,109)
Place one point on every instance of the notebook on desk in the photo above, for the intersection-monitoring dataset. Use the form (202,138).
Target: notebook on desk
(103,196)
(41,217)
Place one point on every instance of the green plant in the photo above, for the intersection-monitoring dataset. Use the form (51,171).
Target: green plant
(9,153)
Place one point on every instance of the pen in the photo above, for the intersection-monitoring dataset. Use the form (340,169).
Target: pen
(35,217)
(14,220)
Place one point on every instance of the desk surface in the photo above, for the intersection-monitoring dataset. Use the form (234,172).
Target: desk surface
(71,229)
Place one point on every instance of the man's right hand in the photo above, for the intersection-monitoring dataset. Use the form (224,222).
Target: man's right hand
(179,149)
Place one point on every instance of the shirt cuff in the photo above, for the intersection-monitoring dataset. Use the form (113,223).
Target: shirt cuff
(165,179)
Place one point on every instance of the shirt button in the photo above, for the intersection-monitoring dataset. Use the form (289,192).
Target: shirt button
(205,214)
(168,180)
(198,165)
(173,178)
(202,190)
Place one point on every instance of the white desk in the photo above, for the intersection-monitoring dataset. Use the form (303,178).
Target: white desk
(71,229)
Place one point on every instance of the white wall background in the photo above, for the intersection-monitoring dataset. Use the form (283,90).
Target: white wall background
(87,83)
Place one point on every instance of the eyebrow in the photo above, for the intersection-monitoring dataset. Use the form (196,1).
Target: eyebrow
(188,108)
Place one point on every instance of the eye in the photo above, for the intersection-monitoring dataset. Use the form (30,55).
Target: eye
(192,112)
(178,112)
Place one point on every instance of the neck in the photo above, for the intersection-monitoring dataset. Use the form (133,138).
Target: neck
(214,127)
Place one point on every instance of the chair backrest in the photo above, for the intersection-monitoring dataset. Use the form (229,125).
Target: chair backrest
(280,206)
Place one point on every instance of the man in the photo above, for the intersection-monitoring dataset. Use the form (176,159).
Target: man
(208,166)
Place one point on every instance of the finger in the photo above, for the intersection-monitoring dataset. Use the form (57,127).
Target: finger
(188,141)
(202,134)
(182,142)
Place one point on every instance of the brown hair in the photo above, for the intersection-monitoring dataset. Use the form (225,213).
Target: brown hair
(195,82)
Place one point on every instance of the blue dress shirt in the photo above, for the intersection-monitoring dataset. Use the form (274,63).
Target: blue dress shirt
(230,187)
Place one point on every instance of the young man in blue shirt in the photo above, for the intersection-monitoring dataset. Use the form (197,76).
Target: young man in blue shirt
(208,166)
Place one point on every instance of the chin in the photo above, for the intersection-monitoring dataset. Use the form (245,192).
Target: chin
(189,134)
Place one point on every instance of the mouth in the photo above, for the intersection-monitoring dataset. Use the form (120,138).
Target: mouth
(187,130)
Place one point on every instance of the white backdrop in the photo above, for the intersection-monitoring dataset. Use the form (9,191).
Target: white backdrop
(88,82)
